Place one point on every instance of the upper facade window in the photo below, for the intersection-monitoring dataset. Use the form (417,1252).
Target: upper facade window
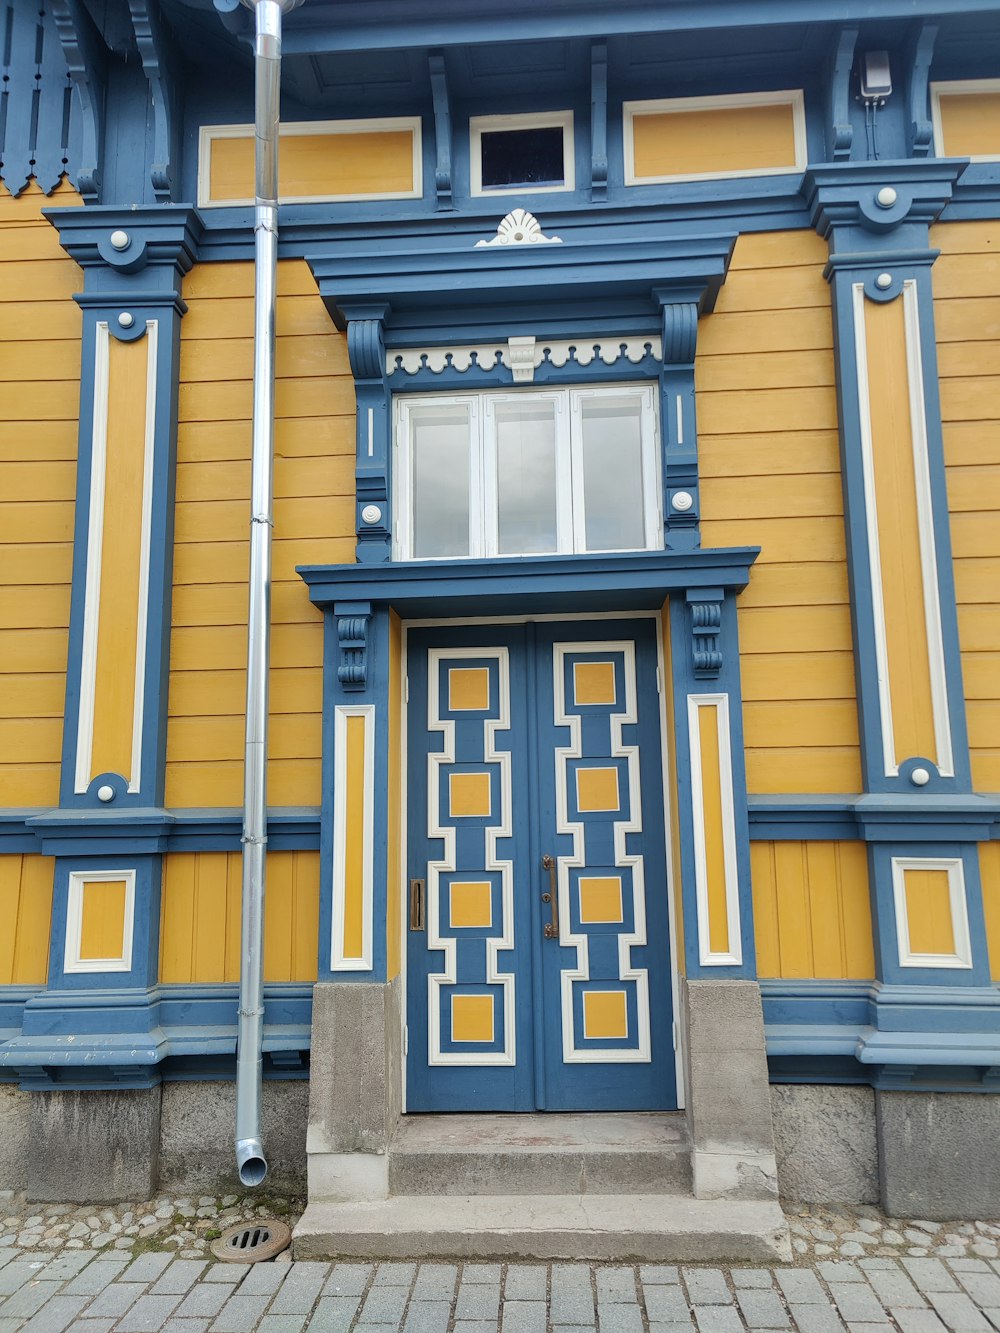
(530,472)
(526,152)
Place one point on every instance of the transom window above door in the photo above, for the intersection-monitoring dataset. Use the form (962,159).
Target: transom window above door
(527,472)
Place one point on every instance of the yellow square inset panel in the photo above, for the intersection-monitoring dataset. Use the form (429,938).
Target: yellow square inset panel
(468,689)
(102,920)
(597,789)
(928,911)
(605,1014)
(374,159)
(472,1018)
(600,899)
(594,683)
(469,794)
(968,123)
(470,903)
(692,137)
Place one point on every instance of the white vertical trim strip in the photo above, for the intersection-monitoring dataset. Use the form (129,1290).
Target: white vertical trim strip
(733,957)
(78,880)
(338,962)
(962,957)
(889,763)
(143,590)
(925,526)
(668,763)
(95,543)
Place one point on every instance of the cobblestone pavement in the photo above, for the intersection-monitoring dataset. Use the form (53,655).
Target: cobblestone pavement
(100,1291)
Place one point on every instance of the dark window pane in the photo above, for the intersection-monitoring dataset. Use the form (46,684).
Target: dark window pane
(522,157)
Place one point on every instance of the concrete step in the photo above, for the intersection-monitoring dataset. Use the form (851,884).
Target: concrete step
(602,1153)
(651,1228)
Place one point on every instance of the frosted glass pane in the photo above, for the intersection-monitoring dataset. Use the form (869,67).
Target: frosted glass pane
(440,463)
(612,475)
(526,478)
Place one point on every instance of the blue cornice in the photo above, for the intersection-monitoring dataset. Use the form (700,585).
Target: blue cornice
(924,815)
(165,236)
(89,832)
(844,208)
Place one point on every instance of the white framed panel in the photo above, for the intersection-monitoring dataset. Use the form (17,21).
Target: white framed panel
(531,120)
(960,88)
(78,881)
(339,961)
(733,956)
(955,869)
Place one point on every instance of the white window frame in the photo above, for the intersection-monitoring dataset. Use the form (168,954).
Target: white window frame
(959,88)
(533,120)
(483,506)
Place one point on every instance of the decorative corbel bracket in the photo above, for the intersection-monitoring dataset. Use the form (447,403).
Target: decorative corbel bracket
(921,129)
(679,310)
(366,352)
(705,606)
(442,129)
(353,620)
(86,59)
(841,131)
(156,52)
(599,120)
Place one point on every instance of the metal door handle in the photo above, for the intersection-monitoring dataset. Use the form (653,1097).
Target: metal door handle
(416,904)
(552,926)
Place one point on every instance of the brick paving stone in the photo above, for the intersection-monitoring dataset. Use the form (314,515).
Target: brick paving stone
(481,1273)
(186,1325)
(866,1328)
(299,1290)
(761,1309)
(89,1326)
(478,1302)
(148,1267)
(619,1318)
(752,1277)
(348,1280)
(658,1274)
(858,1304)
(706,1286)
(203,1301)
(571,1300)
(16,1274)
(475,1326)
(870,1262)
(176,1279)
(671,1328)
(263,1279)
(984,1288)
(116,1298)
(839,1272)
(282,1323)
(526,1282)
(149,1313)
(93,1279)
(801,1286)
(67,1265)
(427,1317)
(395,1275)
(55,1315)
(572,1328)
(221,1272)
(958,1312)
(969,1266)
(717,1319)
(814,1318)
(993,1316)
(239,1313)
(895,1288)
(384,1305)
(334,1314)
(918,1321)
(523,1317)
(615,1285)
(930,1275)
(24,1303)
(666,1305)
(7,1252)
(435,1282)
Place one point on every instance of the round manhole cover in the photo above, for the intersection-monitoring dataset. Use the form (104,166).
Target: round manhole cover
(252,1242)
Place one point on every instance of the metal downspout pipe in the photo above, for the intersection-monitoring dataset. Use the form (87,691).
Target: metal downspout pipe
(250,1160)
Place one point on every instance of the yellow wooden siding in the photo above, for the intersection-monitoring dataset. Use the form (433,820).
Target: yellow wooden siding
(313,522)
(770,477)
(989,864)
(26,912)
(200,917)
(966,281)
(812,913)
(40,395)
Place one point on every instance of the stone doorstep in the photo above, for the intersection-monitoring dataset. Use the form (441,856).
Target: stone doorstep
(651,1228)
(602,1153)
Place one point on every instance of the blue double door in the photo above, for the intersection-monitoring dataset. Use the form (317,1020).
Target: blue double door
(538,964)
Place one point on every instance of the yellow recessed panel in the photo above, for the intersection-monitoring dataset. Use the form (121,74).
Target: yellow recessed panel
(354,830)
(970,124)
(600,899)
(469,794)
(597,789)
(715,847)
(470,903)
(102,920)
(605,1014)
(594,682)
(928,911)
(725,140)
(472,1018)
(468,689)
(377,163)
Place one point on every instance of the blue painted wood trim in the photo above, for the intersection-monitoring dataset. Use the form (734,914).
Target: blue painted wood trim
(134,832)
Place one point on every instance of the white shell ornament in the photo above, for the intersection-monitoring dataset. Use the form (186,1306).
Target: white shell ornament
(520,228)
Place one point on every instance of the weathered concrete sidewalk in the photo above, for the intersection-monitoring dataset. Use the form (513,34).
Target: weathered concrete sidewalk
(100,1292)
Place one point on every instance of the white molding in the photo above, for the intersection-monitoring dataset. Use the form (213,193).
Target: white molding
(78,880)
(298,128)
(955,868)
(628,716)
(959,88)
(448,976)
(668,756)
(733,957)
(338,961)
(792,97)
(586,351)
(143,591)
(95,545)
(531,120)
